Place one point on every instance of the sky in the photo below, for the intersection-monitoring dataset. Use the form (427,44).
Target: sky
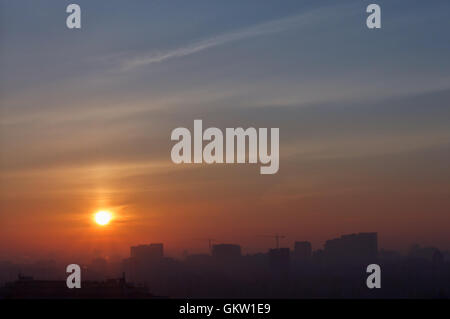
(86,117)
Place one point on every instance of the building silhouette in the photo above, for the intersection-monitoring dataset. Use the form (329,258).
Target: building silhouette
(226,251)
(143,260)
(302,250)
(279,261)
(336,271)
(147,252)
(361,248)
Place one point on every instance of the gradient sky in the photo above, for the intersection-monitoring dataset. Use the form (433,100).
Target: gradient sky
(86,116)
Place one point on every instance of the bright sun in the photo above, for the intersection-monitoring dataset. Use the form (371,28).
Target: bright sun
(103,217)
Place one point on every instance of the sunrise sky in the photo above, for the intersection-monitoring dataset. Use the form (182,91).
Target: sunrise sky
(86,116)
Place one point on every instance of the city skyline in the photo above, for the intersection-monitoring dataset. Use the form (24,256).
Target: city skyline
(207,246)
(338,270)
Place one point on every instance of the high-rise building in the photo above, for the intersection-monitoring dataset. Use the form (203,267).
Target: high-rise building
(226,251)
(143,260)
(302,250)
(279,259)
(351,249)
(147,252)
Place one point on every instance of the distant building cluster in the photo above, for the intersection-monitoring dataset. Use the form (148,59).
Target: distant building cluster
(337,270)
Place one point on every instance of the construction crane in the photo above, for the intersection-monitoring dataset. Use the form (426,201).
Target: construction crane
(277,239)
(210,241)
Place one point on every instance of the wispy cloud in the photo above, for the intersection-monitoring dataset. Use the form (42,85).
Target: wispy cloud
(266,28)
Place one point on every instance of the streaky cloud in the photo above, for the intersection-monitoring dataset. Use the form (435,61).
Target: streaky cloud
(266,28)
